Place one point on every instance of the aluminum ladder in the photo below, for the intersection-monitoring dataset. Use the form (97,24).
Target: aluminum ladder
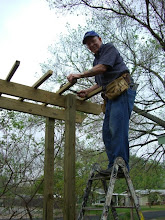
(119,170)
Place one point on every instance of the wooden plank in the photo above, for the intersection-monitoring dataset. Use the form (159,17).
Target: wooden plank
(69,159)
(93,93)
(27,92)
(65,87)
(88,107)
(49,170)
(40,81)
(43,96)
(13,70)
(35,109)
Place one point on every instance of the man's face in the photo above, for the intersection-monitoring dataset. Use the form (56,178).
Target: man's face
(93,44)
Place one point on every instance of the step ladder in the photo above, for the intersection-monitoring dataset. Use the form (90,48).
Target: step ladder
(119,170)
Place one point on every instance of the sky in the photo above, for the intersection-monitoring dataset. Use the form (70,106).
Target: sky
(27,28)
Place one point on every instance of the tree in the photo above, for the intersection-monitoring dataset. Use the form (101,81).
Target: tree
(149,14)
(147,174)
(138,32)
(21,160)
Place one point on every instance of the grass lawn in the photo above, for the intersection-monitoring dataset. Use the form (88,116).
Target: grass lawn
(153,208)
(124,213)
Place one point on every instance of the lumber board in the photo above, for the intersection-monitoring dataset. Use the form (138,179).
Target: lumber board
(13,70)
(69,159)
(93,93)
(65,87)
(40,81)
(35,109)
(27,92)
(49,170)
(88,107)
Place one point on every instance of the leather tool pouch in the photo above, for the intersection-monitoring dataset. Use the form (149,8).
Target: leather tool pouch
(117,87)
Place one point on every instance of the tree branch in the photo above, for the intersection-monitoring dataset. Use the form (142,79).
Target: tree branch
(144,113)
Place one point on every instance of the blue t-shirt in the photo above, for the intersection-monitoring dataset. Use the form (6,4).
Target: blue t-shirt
(109,56)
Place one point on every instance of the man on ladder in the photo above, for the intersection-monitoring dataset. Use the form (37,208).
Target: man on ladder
(112,74)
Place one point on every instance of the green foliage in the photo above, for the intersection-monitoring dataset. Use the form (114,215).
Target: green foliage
(152,178)
(144,175)
(147,175)
(153,197)
(37,186)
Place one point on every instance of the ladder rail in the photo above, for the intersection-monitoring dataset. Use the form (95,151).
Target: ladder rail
(119,165)
(113,208)
(109,195)
(134,197)
(96,167)
(131,188)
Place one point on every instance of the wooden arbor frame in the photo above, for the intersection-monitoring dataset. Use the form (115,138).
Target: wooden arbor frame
(21,98)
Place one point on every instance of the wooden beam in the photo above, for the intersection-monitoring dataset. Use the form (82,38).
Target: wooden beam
(35,109)
(69,159)
(93,93)
(13,70)
(65,87)
(88,107)
(49,170)
(40,81)
(26,92)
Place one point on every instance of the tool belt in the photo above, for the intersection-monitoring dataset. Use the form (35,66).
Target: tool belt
(116,88)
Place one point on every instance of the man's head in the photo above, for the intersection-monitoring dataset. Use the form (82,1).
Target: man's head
(92,41)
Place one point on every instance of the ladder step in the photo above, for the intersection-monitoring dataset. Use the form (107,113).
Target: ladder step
(102,177)
(93,208)
(101,208)
(123,207)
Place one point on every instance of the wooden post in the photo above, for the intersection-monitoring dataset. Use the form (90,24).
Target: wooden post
(69,159)
(48,170)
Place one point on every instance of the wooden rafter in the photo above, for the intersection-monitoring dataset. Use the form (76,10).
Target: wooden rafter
(13,70)
(65,87)
(36,109)
(40,81)
(38,95)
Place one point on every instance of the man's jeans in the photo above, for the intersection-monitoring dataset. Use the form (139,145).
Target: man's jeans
(116,126)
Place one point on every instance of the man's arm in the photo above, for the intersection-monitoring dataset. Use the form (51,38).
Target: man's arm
(98,69)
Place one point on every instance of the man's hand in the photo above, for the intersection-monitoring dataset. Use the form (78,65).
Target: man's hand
(73,77)
(83,93)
